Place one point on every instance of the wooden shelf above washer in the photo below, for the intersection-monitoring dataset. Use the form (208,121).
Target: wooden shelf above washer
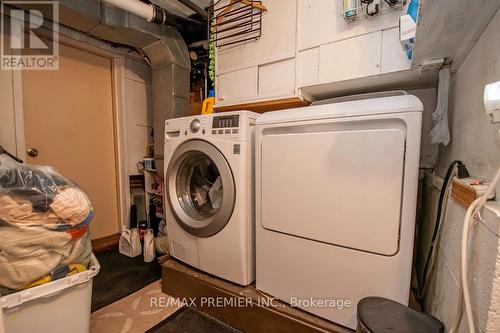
(265,106)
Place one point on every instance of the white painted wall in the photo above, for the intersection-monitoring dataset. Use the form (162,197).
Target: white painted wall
(138,110)
(474,139)
(308,44)
(320,22)
(277,41)
(340,50)
(475,142)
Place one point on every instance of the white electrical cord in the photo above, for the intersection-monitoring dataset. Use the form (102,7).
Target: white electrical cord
(473,212)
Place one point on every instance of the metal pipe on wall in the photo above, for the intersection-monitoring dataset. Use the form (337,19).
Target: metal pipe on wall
(151,12)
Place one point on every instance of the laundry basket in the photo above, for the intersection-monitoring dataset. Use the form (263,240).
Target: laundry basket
(60,306)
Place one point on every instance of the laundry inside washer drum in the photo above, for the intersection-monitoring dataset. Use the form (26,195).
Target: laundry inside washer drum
(199,186)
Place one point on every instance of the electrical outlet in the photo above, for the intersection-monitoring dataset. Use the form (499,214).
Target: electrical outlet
(492,101)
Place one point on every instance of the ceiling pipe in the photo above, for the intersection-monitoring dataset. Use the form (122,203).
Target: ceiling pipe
(188,3)
(200,43)
(151,12)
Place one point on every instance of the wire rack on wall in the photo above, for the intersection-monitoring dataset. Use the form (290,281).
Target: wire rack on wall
(367,9)
(235,21)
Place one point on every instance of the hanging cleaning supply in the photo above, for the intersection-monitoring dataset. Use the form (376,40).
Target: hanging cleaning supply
(350,9)
(208,104)
(372,7)
(409,28)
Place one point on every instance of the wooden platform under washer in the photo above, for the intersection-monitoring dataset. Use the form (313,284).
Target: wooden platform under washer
(246,308)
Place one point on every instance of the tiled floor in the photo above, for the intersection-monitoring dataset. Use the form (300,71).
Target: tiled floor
(135,313)
(190,320)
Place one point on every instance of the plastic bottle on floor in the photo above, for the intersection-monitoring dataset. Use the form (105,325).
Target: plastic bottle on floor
(149,246)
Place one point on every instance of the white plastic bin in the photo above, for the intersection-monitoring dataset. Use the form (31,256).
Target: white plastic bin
(60,306)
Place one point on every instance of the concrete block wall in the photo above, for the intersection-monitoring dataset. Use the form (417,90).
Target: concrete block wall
(475,141)
(484,261)
(474,138)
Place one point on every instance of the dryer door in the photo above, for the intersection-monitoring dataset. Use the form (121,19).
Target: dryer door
(338,182)
(200,188)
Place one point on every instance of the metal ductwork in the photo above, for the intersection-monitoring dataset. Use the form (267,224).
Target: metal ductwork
(170,62)
(163,45)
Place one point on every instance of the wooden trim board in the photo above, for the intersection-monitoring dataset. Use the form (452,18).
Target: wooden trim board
(252,311)
(265,106)
(104,244)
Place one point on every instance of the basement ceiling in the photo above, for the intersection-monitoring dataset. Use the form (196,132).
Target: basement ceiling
(177,8)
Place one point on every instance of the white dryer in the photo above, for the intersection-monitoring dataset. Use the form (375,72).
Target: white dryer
(209,193)
(336,192)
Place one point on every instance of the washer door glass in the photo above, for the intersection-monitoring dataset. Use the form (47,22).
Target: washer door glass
(201,191)
(199,186)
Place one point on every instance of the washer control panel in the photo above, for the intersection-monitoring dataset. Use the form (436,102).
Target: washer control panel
(226,121)
(225,124)
(222,126)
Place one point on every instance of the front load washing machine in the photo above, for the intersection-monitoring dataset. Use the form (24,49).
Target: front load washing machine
(209,193)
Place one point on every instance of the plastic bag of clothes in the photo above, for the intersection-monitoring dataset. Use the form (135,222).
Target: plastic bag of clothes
(44,221)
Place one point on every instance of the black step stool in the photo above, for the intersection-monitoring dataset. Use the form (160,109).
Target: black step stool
(381,315)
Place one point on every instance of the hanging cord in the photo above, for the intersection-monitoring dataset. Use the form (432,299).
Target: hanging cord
(433,256)
(3,151)
(368,3)
(392,2)
(471,219)
(429,260)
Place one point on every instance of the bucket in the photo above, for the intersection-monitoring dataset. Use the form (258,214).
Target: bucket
(59,306)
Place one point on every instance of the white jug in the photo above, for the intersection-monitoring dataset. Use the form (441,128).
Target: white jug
(149,246)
